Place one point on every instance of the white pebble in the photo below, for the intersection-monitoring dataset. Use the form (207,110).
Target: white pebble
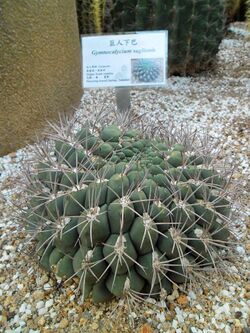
(16,319)
(240,249)
(28,312)
(161,317)
(52,314)
(225,293)
(198,306)
(47,286)
(174,323)
(222,310)
(49,303)
(22,308)
(179,315)
(42,311)
(234,269)
(9,248)
(191,295)
(39,305)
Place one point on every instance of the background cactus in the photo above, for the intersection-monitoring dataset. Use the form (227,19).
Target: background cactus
(40,66)
(248,14)
(125,212)
(195,27)
(236,10)
(90,15)
(233,7)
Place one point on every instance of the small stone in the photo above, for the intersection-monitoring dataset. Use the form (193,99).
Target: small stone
(145,329)
(83,321)
(247,295)
(47,286)
(38,294)
(49,303)
(205,291)
(237,323)
(95,326)
(9,300)
(12,155)
(161,317)
(173,296)
(3,319)
(247,287)
(44,279)
(168,317)
(248,223)
(63,323)
(39,305)
(247,248)
(22,308)
(171,306)
(41,321)
(246,330)
(238,314)
(191,295)
(182,299)
(42,311)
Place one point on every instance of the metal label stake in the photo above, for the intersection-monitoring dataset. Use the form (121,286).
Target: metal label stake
(123,99)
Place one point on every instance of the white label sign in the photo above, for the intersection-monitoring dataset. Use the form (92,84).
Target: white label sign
(134,59)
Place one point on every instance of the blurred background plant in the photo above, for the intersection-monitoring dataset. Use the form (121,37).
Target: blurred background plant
(196,28)
(193,42)
(236,10)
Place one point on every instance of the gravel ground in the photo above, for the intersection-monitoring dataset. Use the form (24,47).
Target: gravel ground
(218,101)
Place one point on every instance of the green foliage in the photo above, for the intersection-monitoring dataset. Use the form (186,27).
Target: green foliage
(136,226)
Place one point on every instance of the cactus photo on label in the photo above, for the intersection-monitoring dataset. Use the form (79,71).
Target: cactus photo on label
(147,70)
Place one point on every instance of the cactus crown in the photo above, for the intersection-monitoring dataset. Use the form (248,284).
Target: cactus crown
(125,212)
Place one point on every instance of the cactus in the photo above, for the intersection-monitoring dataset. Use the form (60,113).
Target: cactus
(125,213)
(146,70)
(90,15)
(236,10)
(232,8)
(196,28)
(248,14)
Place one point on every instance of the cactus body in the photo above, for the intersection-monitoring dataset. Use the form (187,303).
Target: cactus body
(135,225)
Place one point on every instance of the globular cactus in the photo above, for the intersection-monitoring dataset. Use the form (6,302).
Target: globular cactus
(196,27)
(146,70)
(126,213)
